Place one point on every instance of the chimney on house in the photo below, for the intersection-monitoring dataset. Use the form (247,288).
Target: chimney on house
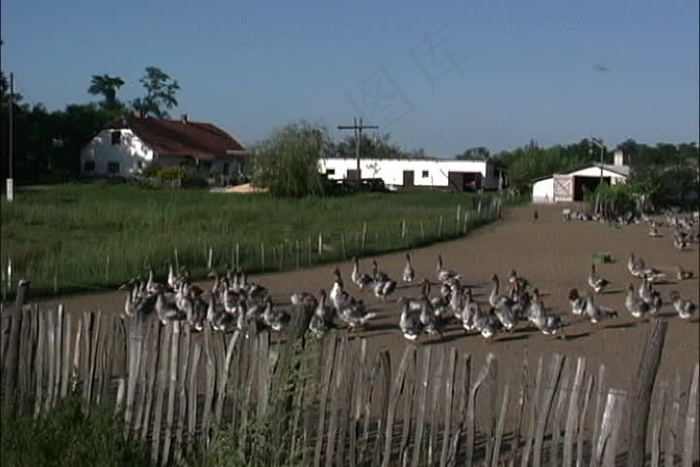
(619,157)
(183,118)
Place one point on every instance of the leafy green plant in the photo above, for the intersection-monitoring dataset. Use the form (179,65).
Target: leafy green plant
(67,436)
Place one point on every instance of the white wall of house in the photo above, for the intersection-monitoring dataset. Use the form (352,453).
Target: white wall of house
(123,156)
(426,172)
(543,191)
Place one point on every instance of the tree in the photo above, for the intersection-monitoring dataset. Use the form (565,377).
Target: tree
(107,87)
(161,93)
(474,154)
(379,147)
(286,163)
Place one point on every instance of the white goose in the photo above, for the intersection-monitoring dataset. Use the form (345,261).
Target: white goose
(410,320)
(409,274)
(597,313)
(577,302)
(443,274)
(360,279)
(682,274)
(635,305)
(595,282)
(548,324)
(684,307)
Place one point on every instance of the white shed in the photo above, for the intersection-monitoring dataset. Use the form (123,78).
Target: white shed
(571,186)
(459,175)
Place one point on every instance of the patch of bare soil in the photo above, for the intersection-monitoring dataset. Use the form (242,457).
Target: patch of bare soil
(555,256)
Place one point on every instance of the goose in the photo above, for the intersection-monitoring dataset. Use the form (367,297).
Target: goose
(597,283)
(494,297)
(408,272)
(322,310)
(685,308)
(470,310)
(151,285)
(197,313)
(377,275)
(577,302)
(548,324)
(635,305)
(355,314)
(645,291)
(167,309)
(430,322)
(274,318)
(679,241)
(516,282)
(172,277)
(337,289)
(635,266)
(382,289)
(653,231)
(486,323)
(362,280)
(506,313)
(410,320)
(444,274)
(597,313)
(303,298)
(683,275)
(440,303)
(253,291)
(220,320)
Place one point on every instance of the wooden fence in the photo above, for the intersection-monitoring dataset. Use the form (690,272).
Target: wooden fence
(334,401)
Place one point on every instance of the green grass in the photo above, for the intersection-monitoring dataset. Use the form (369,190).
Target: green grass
(66,436)
(83,237)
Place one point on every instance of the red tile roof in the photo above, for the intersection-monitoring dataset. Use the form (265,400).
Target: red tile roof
(202,141)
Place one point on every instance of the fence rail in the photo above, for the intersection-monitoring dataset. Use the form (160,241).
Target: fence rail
(335,401)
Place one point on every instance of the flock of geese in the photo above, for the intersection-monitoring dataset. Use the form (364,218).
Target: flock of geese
(235,303)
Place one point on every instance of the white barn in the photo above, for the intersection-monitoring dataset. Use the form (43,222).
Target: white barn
(446,174)
(131,144)
(571,186)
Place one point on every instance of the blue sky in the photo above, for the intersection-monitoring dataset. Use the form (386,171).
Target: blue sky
(502,72)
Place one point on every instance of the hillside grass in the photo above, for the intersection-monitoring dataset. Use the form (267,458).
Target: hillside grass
(94,236)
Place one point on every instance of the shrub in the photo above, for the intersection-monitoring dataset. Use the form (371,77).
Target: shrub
(67,436)
(287,162)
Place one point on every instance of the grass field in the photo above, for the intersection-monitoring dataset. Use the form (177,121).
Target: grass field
(87,237)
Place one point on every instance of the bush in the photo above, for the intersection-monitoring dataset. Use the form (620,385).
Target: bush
(67,436)
(287,162)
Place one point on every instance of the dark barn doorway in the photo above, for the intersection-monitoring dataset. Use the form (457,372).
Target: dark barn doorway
(583,185)
(352,174)
(464,181)
(409,178)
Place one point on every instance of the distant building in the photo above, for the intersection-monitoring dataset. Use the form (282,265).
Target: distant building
(443,174)
(572,185)
(126,148)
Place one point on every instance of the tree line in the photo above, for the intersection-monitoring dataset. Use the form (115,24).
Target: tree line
(47,144)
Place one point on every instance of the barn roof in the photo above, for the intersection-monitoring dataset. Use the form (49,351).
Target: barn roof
(203,141)
(622,170)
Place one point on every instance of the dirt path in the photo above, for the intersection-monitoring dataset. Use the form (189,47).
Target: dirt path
(555,256)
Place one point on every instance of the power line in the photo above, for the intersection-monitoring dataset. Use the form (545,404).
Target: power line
(357,128)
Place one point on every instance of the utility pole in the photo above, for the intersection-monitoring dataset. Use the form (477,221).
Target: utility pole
(357,128)
(10,127)
(601,145)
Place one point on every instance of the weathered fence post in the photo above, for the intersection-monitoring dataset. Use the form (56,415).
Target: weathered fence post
(107,271)
(690,421)
(210,258)
(262,256)
(320,244)
(364,235)
(648,368)
(440,228)
(238,255)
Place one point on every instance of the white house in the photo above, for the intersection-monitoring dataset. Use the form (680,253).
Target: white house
(571,186)
(447,174)
(126,148)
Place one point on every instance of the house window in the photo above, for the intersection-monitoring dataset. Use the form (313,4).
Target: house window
(425,174)
(225,168)
(330,171)
(206,166)
(113,167)
(139,164)
(116,137)
(89,166)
